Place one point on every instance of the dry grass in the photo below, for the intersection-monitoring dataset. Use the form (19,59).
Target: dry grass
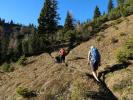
(121,83)
(61,82)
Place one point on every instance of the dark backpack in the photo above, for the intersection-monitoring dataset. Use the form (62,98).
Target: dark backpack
(95,56)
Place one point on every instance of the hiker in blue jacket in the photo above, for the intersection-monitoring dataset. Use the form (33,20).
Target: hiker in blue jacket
(94,60)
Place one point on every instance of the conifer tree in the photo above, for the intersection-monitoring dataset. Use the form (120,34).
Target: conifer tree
(0,51)
(97,13)
(120,2)
(69,24)
(130,2)
(48,18)
(104,13)
(11,22)
(110,6)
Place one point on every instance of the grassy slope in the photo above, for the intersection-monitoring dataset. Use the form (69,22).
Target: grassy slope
(61,82)
(108,51)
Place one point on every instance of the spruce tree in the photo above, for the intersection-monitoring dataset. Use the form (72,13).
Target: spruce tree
(11,22)
(110,6)
(120,2)
(97,13)
(25,47)
(130,2)
(69,24)
(4,46)
(48,19)
(104,13)
(0,52)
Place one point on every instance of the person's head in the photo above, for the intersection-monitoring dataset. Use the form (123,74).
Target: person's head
(61,48)
(91,47)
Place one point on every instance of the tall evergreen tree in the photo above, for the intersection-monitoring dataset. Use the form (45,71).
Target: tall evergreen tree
(0,52)
(97,13)
(69,24)
(110,6)
(48,19)
(104,13)
(130,2)
(0,19)
(4,46)
(120,2)
(121,7)
(11,22)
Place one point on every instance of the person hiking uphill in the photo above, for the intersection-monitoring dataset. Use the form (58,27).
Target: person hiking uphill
(94,60)
(62,55)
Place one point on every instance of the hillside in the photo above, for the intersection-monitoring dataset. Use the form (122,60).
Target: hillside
(73,80)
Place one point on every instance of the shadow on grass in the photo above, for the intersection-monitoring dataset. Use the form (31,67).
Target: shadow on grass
(104,92)
(114,68)
(76,58)
(31,62)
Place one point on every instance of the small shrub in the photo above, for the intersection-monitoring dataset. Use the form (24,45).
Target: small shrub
(113,25)
(7,68)
(121,57)
(116,27)
(129,44)
(118,21)
(60,98)
(79,89)
(129,54)
(76,93)
(129,10)
(114,14)
(126,19)
(25,92)
(114,40)
(122,34)
(22,60)
(100,37)
(103,27)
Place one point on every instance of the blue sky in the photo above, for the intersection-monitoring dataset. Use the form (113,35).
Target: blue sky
(27,11)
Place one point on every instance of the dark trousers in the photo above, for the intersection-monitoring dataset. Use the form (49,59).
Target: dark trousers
(94,65)
(62,59)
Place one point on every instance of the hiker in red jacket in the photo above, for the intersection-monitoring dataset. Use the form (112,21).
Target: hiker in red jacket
(62,55)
